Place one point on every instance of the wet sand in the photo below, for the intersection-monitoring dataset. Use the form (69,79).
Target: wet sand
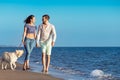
(19,74)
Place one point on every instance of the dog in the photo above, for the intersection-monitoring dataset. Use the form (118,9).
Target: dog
(10,58)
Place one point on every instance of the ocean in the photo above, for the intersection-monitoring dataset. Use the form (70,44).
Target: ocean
(76,63)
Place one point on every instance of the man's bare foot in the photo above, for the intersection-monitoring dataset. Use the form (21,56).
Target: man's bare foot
(46,70)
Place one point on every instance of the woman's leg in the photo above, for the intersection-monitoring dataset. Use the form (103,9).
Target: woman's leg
(31,46)
(24,65)
(27,48)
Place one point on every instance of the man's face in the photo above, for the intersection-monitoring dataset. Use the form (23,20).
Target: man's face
(44,20)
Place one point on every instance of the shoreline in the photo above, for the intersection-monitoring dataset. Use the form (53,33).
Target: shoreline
(19,74)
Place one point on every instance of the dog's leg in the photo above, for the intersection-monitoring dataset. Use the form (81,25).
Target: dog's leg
(11,66)
(14,65)
(2,65)
(6,65)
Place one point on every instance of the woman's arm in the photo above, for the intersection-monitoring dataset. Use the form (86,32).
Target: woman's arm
(35,35)
(24,34)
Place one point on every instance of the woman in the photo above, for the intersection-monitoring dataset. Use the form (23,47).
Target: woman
(28,39)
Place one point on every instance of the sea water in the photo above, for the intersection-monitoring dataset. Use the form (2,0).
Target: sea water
(76,63)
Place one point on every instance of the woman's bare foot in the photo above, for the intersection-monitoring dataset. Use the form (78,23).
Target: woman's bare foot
(43,71)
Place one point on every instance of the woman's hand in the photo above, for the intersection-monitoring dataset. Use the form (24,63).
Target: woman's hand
(23,42)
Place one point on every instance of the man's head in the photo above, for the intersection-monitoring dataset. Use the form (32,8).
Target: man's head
(45,18)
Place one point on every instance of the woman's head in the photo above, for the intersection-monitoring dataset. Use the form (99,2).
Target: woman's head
(30,19)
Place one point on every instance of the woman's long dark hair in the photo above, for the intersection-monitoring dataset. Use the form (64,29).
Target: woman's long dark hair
(28,19)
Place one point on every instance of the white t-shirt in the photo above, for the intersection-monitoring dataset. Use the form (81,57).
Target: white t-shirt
(47,33)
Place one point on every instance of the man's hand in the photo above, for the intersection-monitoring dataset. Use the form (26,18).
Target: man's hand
(52,43)
(37,45)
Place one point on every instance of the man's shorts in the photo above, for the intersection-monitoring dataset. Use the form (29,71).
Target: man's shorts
(46,47)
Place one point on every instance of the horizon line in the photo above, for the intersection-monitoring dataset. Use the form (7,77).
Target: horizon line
(60,46)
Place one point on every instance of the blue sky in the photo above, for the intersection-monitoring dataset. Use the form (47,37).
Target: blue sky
(77,22)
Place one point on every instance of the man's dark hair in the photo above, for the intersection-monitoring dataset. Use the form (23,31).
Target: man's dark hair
(46,16)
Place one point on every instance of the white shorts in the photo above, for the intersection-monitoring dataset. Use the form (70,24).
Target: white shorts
(46,47)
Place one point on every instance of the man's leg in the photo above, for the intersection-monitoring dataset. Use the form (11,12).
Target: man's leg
(48,63)
(49,48)
(44,61)
(43,48)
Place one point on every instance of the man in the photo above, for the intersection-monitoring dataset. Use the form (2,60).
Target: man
(46,37)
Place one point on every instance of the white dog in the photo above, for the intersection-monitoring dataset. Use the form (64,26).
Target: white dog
(10,58)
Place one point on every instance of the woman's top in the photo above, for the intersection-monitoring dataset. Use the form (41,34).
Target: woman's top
(30,29)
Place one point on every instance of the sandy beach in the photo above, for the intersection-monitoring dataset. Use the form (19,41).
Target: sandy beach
(19,74)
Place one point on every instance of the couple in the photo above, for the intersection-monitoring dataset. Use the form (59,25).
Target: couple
(45,38)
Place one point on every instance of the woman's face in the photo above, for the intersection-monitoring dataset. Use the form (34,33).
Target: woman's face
(33,20)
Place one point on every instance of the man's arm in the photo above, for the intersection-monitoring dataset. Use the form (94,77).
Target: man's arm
(54,35)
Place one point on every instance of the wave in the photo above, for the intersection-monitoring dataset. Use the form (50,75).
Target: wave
(101,75)
(94,75)
(66,70)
